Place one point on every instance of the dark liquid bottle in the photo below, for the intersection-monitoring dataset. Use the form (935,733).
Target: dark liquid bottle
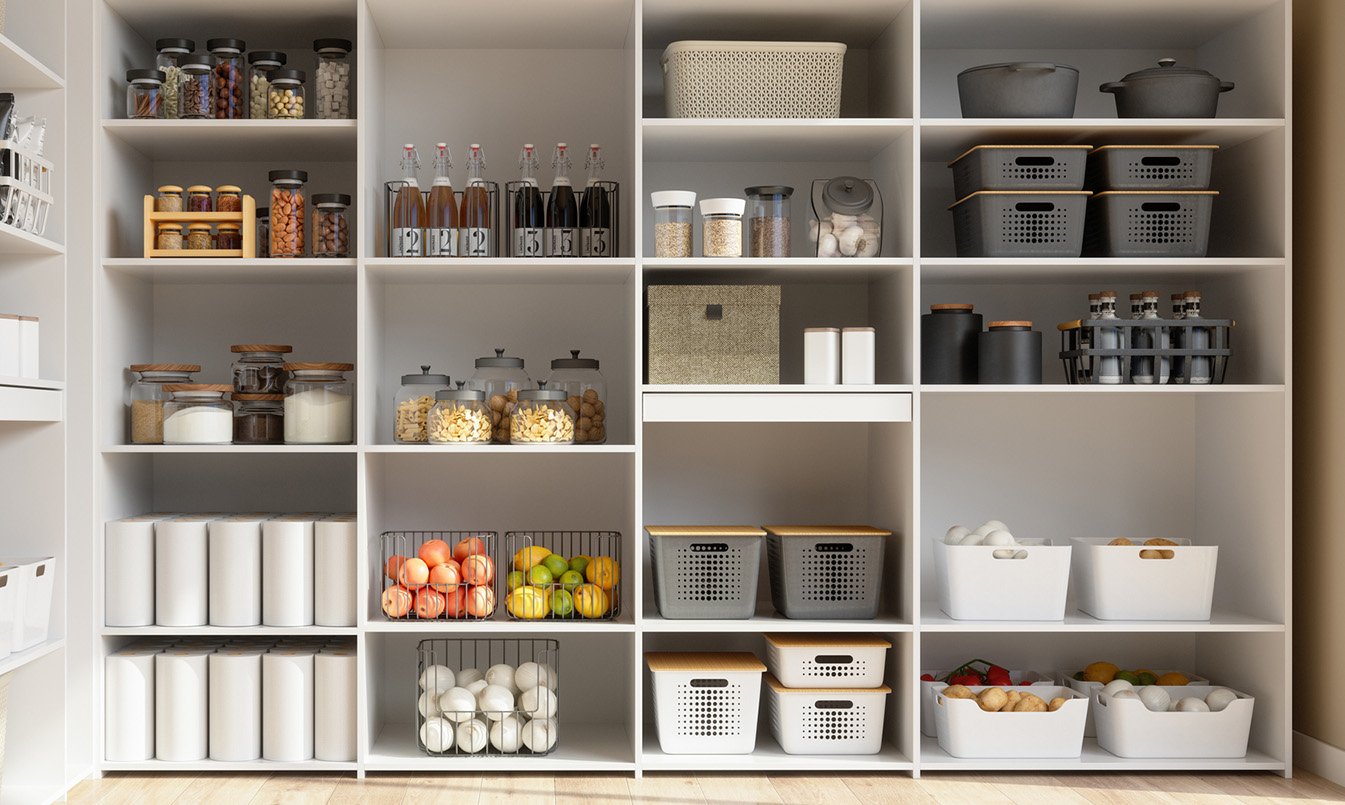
(529,211)
(476,218)
(562,210)
(595,210)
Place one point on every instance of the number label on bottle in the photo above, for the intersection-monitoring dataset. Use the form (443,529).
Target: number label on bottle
(442,242)
(561,242)
(475,241)
(597,242)
(527,241)
(407,243)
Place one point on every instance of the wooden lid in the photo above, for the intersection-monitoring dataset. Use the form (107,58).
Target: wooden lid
(705,531)
(169,188)
(1069,325)
(165,225)
(952,307)
(171,387)
(1158,193)
(13,316)
(165,367)
(995,324)
(825,531)
(223,227)
(198,227)
(778,688)
(1107,147)
(245,397)
(703,661)
(976,148)
(1022,193)
(303,366)
(832,640)
(261,348)
(199,188)
(228,188)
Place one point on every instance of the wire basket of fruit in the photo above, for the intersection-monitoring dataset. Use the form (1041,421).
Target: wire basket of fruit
(438,575)
(562,575)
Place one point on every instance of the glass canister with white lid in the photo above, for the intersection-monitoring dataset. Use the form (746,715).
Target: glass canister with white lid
(501,378)
(672,222)
(542,416)
(585,392)
(198,413)
(460,416)
(412,405)
(260,368)
(148,393)
(319,403)
(722,227)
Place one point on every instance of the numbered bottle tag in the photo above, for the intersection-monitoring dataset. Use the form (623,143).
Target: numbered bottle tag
(407,243)
(528,241)
(562,243)
(476,241)
(597,242)
(443,242)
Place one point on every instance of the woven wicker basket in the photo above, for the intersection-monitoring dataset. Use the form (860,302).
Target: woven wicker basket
(722,334)
(753,79)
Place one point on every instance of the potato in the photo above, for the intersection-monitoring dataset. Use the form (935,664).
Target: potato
(1150,553)
(1120,541)
(1030,704)
(958,692)
(1159,541)
(1014,697)
(1056,703)
(992,700)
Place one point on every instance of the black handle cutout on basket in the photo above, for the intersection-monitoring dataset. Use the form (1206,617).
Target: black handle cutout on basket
(1160,206)
(833,705)
(714,312)
(1034,206)
(4,581)
(709,683)
(1035,162)
(709,547)
(1161,162)
(833,547)
(833,659)
(41,571)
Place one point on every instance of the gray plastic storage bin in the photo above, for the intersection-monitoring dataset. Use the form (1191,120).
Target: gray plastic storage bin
(1150,167)
(826,571)
(705,572)
(1020,223)
(1136,223)
(1019,167)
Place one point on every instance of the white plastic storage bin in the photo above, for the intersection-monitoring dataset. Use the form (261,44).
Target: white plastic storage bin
(1126,728)
(975,585)
(1090,688)
(927,723)
(827,721)
(1112,582)
(827,661)
(753,79)
(32,600)
(706,703)
(967,731)
(9,594)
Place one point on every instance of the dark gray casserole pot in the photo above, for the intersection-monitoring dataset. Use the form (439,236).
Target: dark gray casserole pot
(1018,89)
(1168,90)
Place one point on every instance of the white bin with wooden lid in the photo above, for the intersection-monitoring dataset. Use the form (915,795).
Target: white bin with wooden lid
(705,571)
(827,721)
(826,571)
(706,703)
(827,660)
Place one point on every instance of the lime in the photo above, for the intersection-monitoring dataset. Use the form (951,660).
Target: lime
(515,580)
(562,604)
(1146,678)
(579,563)
(556,564)
(570,579)
(1129,676)
(540,576)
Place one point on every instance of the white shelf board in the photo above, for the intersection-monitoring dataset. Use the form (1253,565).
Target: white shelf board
(238,140)
(16,241)
(944,139)
(772,269)
(1094,758)
(502,270)
(18,659)
(312,766)
(934,620)
(1090,388)
(25,399)
(581,747)
(22,70)
(770,140)
(1044,271)
(502,449)
(855,22)
(231,448)
(770,622)
(718,404)
(516,25)
(261,270)
(295,21)
(768,756)
(226,631)
(622,624)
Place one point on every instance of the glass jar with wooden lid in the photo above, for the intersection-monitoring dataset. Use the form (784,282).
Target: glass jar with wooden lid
(168,236)
(229,236)
(169,199)
(260,368)
(198,413)
(259,418)
(199,237)
(198,198)
(228,198)
(147,396)
(319,403)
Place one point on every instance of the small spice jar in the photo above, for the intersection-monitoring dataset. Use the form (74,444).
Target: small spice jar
(261,63)
(287,212)
(169,199)
(263,231)
(259,418)
(460,416)
(144,93)
(768,220)
(585,392)
(500,378)
(285,98)
(332,81)
(412,405)
(319,404)
(542,416)
(172,53)
(260,368)
(198,413)
(148,395)
(198,198)
(228,198)
(672,222)
(722,227)
(198,236)
(169,236)
(331,227)
(229,236)
(197,92)
(231,101)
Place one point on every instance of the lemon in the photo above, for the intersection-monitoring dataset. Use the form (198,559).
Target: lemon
(528,557)
(1103,672)
(527,603)
(590,601)
(1173,678)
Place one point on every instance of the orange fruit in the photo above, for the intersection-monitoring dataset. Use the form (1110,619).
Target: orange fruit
(429,603)
(393,568)
(435,552)
(396,601)
(478,569)
(1173,678)
(414,572)
(604,572)
(480,602)
(445,575)
(468,546)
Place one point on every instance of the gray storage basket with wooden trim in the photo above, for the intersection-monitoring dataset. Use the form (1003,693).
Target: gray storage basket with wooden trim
(821,572)
(1150,167)
(705,572)
(1147,223)
(1020,223)
(714,334)
(1019,167)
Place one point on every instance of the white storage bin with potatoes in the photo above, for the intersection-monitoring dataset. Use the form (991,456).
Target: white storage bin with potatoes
(1154,579)
(1190,721)
(989,574)
(993,722)
(970,674)
(1095,675)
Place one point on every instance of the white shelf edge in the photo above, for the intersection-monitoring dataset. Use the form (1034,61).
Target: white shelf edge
(502,626)
(312,766)
(1101,122)
(772,623)
(502,449)
(768,756)
(1093,759)
(113,125)
(599,748)
(19,659)
(1076,621)
(775,122)
(851,405)
(32,383)
(819,263)
(788,388)
(220,631)
(1103,262)
(165,449)
(1054,388)
(50,78)
(14,241)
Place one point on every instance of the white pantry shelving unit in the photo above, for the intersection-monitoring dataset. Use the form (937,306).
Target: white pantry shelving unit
(1209,463)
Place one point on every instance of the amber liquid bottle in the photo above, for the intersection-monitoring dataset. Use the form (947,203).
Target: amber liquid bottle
(476,219)
(408,210)
(441,237)
(529,211)
(595,210)
(562,210)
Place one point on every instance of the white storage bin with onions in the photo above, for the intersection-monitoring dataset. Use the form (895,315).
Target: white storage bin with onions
(989,574)
(1156,579)
(1154,721)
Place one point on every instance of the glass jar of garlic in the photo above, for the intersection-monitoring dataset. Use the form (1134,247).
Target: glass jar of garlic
(460,416)
(542,416)
(413,403)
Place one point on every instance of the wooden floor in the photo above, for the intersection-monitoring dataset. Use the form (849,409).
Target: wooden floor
(605,789)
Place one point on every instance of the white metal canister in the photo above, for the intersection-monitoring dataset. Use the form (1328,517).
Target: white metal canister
(9,345)
(821,356)
(28,347)
(857,350)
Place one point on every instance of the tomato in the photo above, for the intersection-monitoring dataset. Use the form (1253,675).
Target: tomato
(429,603)
(414,573)
(469,546)
(396,601)
(435,552)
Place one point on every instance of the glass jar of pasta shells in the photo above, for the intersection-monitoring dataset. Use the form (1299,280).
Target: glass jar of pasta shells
(542,416)
(412,404)
(460,416)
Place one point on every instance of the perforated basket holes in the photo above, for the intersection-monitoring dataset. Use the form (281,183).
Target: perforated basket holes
(1032,169)
(1159,169)
(709,712)
(1144,224)
(813,669)
(1033,222)
(752,83)
(708,576)
(834,721)
(833,576)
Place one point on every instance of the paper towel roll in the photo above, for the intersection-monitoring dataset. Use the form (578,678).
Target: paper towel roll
(181,575)
(287,705)
(128,561)
(236,570)
(334,546)
(334,705)
(236,704)
(128,705)
(287,570)
(180,712)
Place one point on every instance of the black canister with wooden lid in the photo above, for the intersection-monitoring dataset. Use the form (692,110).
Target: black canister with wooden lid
(948,344)
(1009,353)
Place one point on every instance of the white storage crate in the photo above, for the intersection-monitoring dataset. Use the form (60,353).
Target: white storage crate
(827,661)
(753,79)
(32,600)
(967,731)
(25,195)
(706,703)
(1112,582)
(9,594)
(927,725)
(1126,728)
(827,721)
(1090,688)
(974,585)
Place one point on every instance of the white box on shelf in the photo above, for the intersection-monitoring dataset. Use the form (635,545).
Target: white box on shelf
(967,731)
(974,584)
(706,703)
(9,345)
(857,356)
(1113,582)
(181,570)
(1089,688)
(32,600)
(128,570)
(927,723)
(9,594)
(28,352)
(827,721)
(827,660)
(1126,728)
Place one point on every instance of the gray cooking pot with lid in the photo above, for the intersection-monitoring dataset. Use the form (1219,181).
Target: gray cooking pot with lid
(1018,89)
(1168,90)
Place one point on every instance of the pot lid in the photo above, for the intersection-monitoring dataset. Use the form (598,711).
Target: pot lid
(1168,68)
(425,378)
(574,362)
(1019,65)
(499,361)
(847,194)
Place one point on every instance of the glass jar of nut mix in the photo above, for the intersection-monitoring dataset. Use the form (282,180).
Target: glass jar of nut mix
(501,378)
(196,95)
(542,416)
(586,394)
(285,98)
(261,63)
(331,225)
(460,416)
(231,83)
(287,212)
(147,396)
(412,404)
(172,53)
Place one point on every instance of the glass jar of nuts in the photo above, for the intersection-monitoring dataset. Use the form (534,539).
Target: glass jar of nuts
(331,226)
(542,416)
(586,394)
(412,404)
(460,416)
(501,378)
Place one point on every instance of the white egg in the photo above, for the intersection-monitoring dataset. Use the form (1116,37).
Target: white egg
(436,734)
(1125,694)
(502,675)
(437,679)
(538,703)
(539,735)
(469,675)
(1219,698)
(473,735)
(955,535)
(973,539)
(477,686)
(532,674)
(496,701)
(995,525)
(1192,705)
(1116,685)
(458,704)
(1004,553)
(999,538)
(506,735)
(428,704)
(1155,698)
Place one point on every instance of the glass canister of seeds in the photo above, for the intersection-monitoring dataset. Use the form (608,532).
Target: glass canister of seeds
(260,368)
(722,227)
(460,416)
(542,416)
(259,418)
(319,404)
(144,93)
(672,222)
(199,237)
(172,54)
(229,236)
(285,98)
(585,392)
(198,198)
(168,236)
(168,199)
(413,403)
(228,198)
(231,101)
(501,378)
(147,396)
(331,225)
(261,63)
(768,220)
(333,79)
(287,212)
(198,413)
(196,96)
(263,231)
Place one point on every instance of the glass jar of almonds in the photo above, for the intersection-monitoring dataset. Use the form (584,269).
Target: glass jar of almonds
(460,416)
(542,416)
(413,403)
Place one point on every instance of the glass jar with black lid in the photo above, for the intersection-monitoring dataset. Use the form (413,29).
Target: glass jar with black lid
(412,405)
(501,378)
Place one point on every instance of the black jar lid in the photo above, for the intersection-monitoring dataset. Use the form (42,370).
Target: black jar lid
(195,63)
(425,378)
(187,45)
(499,361)
(226,43)
(332,44)
(263,212)
(331,198)
(286,74)
(574,362)
(275,176)
(151,73)
(267,55)
(781,190)
(542,393)
(847,194)
(473,395)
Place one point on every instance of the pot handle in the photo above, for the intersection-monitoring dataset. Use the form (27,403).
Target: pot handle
(1033,65)
(1111,86)
(1225,86)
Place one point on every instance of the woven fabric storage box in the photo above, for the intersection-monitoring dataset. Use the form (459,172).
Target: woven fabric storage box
(827,721)
(753,79)
(714,334)
(1139,223)
(1019,167)
(1020,223)
(706,703)
(825,571)
(705,571)
(827,660)
(1150,167)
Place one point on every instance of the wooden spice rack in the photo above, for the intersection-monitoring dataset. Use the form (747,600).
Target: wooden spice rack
(246,218)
